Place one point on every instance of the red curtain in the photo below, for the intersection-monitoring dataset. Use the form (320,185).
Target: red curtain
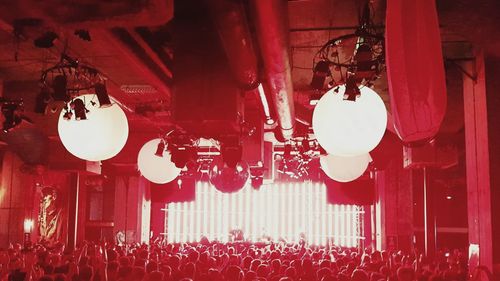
(358,192)
(171,192)
(415,69)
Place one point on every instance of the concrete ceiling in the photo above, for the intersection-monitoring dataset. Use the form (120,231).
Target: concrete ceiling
(132,56)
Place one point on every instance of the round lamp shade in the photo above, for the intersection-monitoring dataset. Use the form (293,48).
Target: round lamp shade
(348,128)
(157,169)
(227,179)
(344,169)
(99,137)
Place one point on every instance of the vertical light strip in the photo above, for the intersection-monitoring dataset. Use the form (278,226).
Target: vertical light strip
(177,222)
(342,225)
(288,213)
(248,211)
(213,214)
(294,212)
(282,204)
(184,221)
(192,215)
(336,229)
(205,221)
(323,214)
(168,207)
(316,220)
(330,222)
(197,216)
(240,216)
(224,217)
(310,216)
(349,219)
(303,209)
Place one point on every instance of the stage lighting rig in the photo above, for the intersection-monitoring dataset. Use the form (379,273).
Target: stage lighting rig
(294,160)
(46,40)
(68,79)
(352,91)
(181,147)
(257,175)
(12,113)
(359,56)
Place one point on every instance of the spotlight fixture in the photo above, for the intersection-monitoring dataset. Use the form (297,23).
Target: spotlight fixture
(305,145)
(257,175)
(321,71)
(46,40)
(231,150)
(83,34)
(68,114)
(287,151)
(79,108)
(180,155)
(102,95)
(314,98)
(364,62)
(180,146)
(156,168)
(12,114)
(59,86)
(231,154)
(42,100)
(160,148)
(256,182)
(351,89)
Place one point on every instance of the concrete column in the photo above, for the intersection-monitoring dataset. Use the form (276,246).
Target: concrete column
(157,218)
(477,163)
(12,201)
(144,214)
(492,69)
(73,191)
(429,213)
(132,208)
(379,211)
(393,208)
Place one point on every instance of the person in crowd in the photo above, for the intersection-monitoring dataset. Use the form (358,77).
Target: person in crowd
(216,261)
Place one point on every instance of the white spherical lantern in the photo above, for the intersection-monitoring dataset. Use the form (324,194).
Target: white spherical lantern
(348,128)
(99,137)
(157,169)
(344,169)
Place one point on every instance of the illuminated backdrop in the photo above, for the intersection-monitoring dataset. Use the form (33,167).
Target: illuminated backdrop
(279,211)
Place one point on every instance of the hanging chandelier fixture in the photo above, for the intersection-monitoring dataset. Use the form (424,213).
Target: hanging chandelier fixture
(352,59)
(69,77)
(90,125)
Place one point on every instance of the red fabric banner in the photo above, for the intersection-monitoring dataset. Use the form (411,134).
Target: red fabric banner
(415,69)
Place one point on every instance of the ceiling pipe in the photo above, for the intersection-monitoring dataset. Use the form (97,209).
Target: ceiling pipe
(271,22)
(232,26)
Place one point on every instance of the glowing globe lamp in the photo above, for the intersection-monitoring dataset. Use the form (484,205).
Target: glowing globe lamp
(155,167)
(100,136)
(348,128)
(344,169)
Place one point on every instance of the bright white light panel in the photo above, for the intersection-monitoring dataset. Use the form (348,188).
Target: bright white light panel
(278,211)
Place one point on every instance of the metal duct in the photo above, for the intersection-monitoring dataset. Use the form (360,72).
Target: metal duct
(232,27)
(271,22)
